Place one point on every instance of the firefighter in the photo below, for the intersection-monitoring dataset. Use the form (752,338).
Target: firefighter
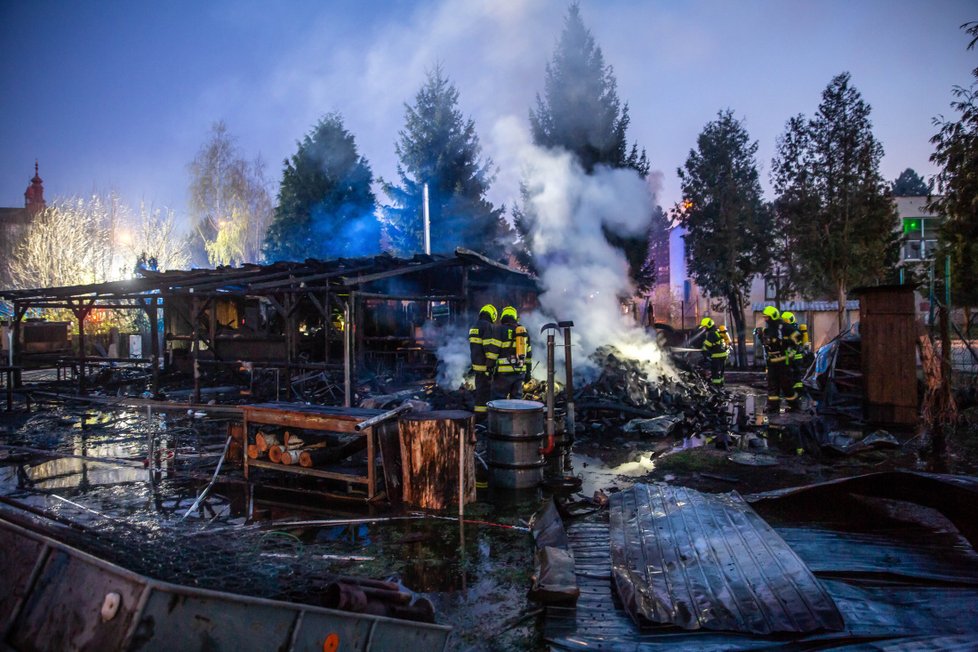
(779,383)
(515,357)
(715,351)
(795,349)
(482,350)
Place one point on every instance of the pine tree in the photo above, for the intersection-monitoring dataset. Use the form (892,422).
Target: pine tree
(956,155)
(840,219)
(440,148)
(325,201)
(580,112)
(728,225)
(909,184)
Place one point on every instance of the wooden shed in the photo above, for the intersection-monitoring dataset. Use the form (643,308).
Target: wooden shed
(888,331)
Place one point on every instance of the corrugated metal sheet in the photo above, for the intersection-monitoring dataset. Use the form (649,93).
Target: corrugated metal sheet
(807,306)
(709,561)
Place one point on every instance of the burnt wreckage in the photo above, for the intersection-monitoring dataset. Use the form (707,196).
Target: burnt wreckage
(317,327)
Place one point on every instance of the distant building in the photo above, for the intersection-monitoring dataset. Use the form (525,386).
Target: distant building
(920,229)
(14,223)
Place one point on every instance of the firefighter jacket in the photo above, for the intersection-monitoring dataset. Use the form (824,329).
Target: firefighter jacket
(775,344)
(482,346)
(714,346)
(794,341)
(514,353)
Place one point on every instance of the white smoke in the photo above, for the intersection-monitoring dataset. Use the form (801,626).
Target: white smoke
(451,344)
(582,276)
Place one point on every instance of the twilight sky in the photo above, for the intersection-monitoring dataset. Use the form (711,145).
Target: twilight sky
(120,95)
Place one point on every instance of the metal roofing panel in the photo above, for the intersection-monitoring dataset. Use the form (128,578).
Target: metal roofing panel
(709,561)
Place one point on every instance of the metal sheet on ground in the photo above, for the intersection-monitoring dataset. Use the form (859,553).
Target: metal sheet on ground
(709,561)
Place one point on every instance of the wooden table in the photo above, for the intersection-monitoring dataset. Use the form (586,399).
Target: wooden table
(315,417)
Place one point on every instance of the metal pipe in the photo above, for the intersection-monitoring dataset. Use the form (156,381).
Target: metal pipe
(569,421)
(390,414)
(427,222)
(550,377)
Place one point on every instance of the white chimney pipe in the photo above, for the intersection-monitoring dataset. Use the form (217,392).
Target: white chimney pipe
(427,222)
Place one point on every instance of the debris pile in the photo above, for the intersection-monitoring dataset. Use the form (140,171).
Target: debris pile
(624,391)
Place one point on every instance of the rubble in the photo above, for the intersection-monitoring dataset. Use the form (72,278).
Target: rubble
(624,387)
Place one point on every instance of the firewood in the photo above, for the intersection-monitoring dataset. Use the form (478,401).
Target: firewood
(275,453)
(289,457)
(265,440)
(253,452)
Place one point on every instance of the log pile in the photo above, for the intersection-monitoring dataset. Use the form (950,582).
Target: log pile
(290,448)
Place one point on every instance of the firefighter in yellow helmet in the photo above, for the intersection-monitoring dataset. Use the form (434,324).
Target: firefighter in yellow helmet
(482,350)
(795,348)
(714,350)
(515,356)
(776,350)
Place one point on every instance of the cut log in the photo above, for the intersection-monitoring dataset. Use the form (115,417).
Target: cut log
(275,453)
(292,440)
(290,457)
(265,440)
(429,457)
(319,454)
(253,452)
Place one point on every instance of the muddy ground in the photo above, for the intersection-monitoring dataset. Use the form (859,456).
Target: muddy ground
(134,508)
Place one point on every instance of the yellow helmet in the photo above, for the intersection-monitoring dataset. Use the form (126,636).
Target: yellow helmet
(490,310)
(788,317)
(772,313)
(707,323)
(509,311)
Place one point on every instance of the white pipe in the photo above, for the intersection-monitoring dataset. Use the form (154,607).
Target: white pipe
(427,222)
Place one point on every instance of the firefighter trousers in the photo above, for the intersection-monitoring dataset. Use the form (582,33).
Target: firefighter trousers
(483,389)
(780,383)
(507,385)
(716,371)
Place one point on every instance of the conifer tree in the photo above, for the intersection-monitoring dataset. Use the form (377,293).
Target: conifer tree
(325,202)
(840,220)
(728,225)
(440,148)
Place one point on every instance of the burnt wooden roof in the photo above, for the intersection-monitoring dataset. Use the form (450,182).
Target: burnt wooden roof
(256,280)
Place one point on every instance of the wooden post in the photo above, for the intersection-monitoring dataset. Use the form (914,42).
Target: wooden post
(430,443)
(195,345)
(154,343)
(347,357)
(19,311)
(81,312)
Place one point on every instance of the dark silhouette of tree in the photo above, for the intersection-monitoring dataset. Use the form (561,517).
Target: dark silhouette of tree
(834,206)
(728,225)
(440,148)
(956,155)
(909,184)
(580,112)
(325,202)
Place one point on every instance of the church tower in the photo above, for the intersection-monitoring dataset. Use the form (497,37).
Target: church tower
(34,195)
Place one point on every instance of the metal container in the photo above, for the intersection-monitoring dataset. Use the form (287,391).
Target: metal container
(516,429)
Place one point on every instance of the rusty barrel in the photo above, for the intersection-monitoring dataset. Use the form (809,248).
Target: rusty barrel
(516,430)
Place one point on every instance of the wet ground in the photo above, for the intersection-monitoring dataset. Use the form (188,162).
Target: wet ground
(128,482)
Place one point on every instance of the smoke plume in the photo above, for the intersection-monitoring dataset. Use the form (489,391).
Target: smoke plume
(583,277)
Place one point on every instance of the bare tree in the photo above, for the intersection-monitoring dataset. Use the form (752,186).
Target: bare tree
(71,243)
(153,235)
(229,202)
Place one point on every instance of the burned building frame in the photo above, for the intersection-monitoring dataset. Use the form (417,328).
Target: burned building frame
(349,318)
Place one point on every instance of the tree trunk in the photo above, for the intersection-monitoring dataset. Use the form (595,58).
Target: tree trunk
(841,293)
(740,346)
(429,457)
